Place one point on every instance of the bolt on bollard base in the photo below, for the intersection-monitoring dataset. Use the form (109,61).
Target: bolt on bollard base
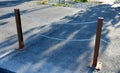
(97,67)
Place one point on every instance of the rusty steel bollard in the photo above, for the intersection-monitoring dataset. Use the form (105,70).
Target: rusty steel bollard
(19,28)
(95,63)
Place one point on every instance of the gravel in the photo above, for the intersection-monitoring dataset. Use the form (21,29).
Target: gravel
(84,5)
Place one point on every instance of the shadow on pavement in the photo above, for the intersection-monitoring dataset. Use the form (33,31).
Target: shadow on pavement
(9,3)
(11,14)
(55,56)
(5,71)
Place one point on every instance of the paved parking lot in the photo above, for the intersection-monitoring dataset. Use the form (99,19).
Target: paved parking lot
(58,39)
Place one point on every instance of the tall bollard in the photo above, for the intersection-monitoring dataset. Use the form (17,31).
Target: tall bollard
(19,28)
(95,63)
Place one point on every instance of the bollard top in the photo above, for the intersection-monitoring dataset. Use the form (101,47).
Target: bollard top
(16,9)
(100,18)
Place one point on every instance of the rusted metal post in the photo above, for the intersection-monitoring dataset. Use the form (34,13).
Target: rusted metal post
(95,63)
(97,41)
(19,28)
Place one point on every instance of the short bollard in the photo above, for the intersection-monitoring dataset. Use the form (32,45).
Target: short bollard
(95,63)
(19,28)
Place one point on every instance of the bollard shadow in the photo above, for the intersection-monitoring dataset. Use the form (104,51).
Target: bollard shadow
(51,50)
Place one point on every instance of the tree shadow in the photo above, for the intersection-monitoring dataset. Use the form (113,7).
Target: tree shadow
(3,23)
(5,71)
(118,71)
(51,55)
(10,41)
(11,3)
(11,14)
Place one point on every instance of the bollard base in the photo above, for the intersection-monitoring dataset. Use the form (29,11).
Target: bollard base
(18,48)
(21,45)
(98,67)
